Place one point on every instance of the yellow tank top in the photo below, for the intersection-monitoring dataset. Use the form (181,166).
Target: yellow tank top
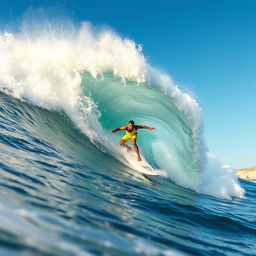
(133,132)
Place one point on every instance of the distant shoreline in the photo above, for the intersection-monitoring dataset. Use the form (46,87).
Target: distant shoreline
(247,173)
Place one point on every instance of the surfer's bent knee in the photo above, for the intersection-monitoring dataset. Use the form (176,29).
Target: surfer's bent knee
(121,142)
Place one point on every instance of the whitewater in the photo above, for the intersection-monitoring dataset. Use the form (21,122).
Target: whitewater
(63,88)
(101,81)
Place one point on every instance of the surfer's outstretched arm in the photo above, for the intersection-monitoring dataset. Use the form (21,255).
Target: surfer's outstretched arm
(119,129)
(144,127)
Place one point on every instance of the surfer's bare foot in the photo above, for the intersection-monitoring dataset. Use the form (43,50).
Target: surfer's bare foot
(128,148)
(139,159)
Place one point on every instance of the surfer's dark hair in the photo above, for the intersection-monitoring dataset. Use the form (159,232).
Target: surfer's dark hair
(131,122)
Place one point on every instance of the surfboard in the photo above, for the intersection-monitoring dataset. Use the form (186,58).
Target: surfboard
(148,172)
(143,167)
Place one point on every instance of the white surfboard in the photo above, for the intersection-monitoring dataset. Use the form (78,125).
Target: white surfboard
(146,170)
(142,166)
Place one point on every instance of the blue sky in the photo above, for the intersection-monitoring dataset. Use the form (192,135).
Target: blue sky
(208,47)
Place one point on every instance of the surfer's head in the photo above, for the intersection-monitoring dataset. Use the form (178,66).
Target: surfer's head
(131,124)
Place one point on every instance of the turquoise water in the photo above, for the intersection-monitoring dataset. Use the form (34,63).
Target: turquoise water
(67,188)
(61,195)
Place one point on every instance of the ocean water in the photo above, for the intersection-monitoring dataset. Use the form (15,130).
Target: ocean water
(67,188)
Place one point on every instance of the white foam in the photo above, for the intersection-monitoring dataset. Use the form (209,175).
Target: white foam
(45,67)
(219,181)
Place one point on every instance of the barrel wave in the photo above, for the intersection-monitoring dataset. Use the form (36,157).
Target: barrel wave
(100,81)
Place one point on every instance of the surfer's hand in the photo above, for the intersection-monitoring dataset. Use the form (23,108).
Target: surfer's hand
(111,131)
(152,129)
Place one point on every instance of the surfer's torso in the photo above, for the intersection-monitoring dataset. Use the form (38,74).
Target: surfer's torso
(132,134)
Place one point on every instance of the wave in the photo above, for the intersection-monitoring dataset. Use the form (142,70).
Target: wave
(101,81)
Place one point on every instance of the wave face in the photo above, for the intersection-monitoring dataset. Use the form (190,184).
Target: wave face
(100,81)
(62,195)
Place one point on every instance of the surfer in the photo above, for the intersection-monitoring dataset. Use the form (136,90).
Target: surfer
(131,134)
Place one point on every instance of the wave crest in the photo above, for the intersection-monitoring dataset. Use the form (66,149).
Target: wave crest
(93,77)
